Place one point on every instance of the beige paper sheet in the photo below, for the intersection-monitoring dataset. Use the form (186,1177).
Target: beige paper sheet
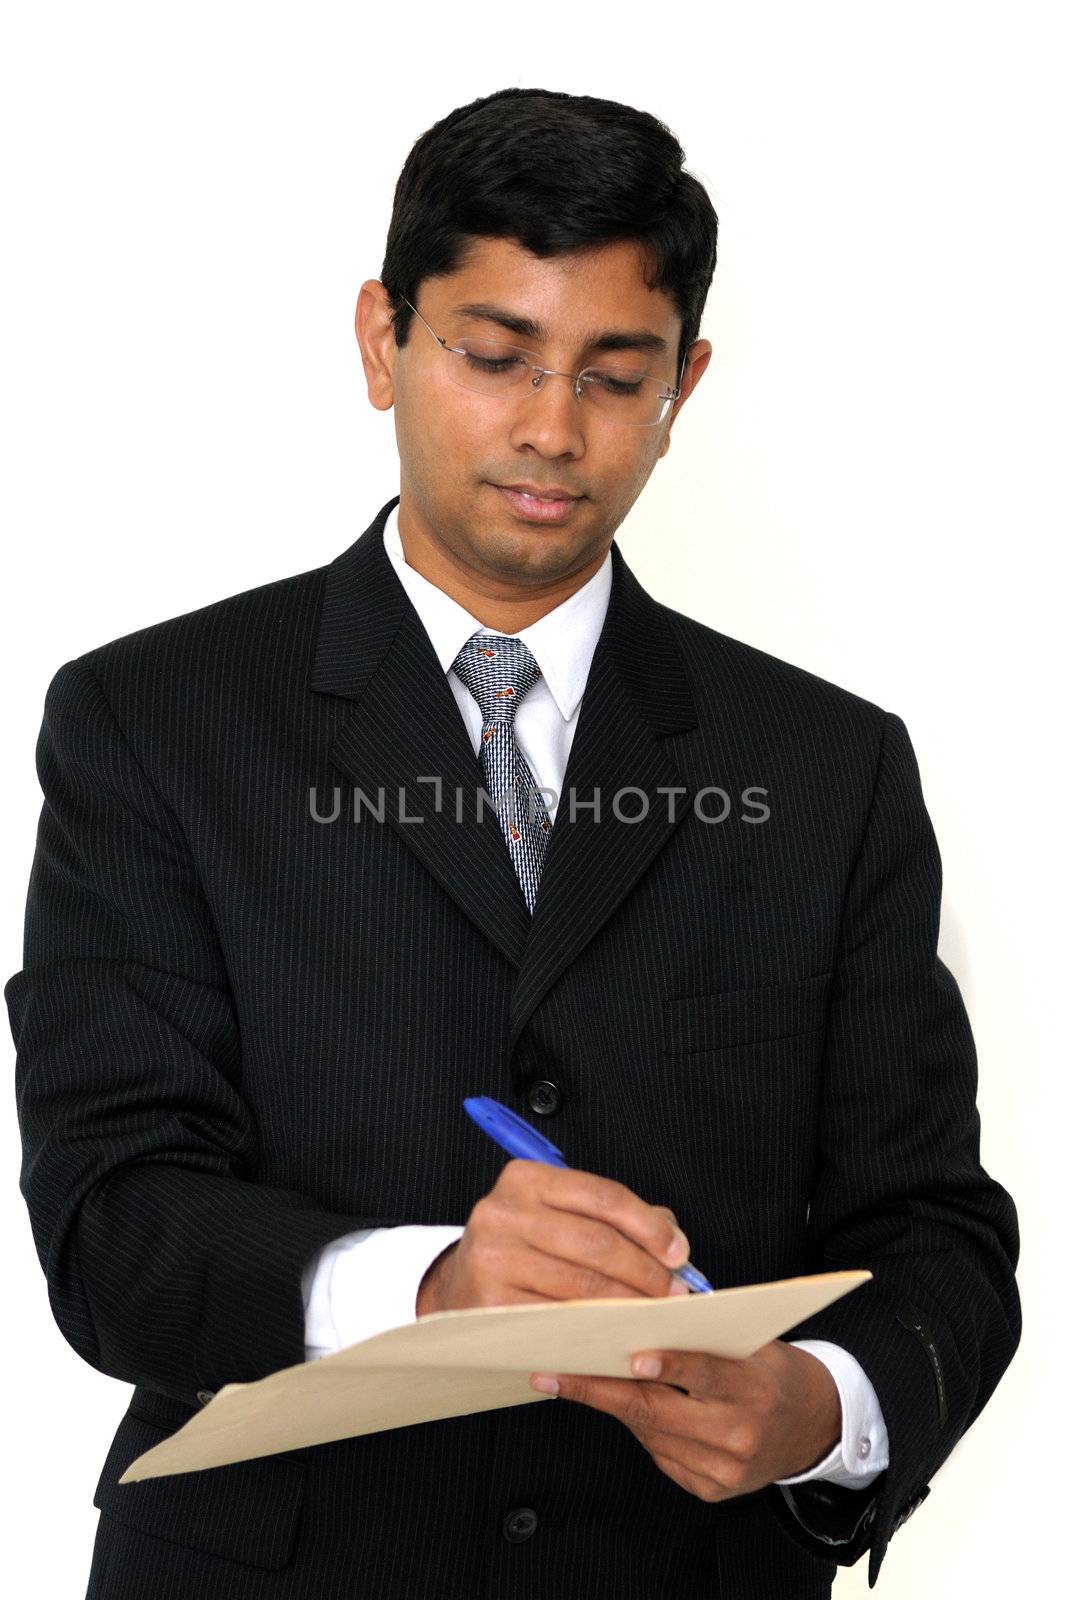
(454,1363)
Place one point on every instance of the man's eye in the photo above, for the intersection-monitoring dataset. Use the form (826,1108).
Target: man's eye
(486,363)
(616,384)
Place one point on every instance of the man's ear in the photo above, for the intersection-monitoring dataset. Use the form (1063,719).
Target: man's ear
(375,336)
(695,365)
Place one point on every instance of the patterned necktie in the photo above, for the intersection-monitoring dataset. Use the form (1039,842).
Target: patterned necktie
(498,670)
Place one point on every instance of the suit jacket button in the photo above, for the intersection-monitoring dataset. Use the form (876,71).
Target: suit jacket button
(520,1525)
(544,1098)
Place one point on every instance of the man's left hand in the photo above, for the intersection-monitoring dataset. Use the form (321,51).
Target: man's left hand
(739,1425)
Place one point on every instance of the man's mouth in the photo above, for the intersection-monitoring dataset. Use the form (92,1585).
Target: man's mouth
(548,506)
(530,492)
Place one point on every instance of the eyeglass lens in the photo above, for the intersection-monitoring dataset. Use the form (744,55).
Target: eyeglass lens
(626,392)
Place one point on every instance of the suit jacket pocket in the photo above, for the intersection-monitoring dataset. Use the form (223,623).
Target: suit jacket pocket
(760,1015)
(245,1512)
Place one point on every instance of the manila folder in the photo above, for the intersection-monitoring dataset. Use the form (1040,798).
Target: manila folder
(455,1363)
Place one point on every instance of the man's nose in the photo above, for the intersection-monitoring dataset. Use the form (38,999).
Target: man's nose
(548,415)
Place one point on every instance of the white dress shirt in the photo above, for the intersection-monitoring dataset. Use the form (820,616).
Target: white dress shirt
(366,1282)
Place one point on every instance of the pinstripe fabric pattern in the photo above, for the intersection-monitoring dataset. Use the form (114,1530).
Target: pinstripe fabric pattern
(255,993)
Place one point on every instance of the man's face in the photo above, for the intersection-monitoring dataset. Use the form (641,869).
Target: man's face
(458,447)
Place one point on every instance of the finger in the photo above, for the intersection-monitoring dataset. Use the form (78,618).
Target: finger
(508,1295)
(614,1204)
(710,1445)
(638,1405)
(597,1260)
(689,1455)
(551,1277)
(677,1429)
(705,1376)
(698,1484)
(700,1458)
(602,1394)
(650,1408)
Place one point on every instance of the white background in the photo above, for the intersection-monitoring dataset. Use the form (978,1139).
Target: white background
(868,482)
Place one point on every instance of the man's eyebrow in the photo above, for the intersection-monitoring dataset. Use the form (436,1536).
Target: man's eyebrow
(611,339)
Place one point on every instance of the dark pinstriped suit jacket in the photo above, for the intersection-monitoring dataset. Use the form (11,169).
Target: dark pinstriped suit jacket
(242,1032)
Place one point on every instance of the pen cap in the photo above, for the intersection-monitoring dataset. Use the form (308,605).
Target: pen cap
(510,1131)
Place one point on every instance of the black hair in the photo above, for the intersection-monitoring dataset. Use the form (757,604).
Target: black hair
(559,173)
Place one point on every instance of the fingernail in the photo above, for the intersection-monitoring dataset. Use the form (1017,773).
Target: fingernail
(646,1366)
(678,1250)
(545,1385)
(677,1287)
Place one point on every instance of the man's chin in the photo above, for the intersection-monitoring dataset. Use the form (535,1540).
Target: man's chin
(538,554)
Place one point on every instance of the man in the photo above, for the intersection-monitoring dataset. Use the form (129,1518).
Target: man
(275,937)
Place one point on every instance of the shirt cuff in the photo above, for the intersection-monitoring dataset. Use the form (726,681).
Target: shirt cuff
(366,1282)
(863,1448)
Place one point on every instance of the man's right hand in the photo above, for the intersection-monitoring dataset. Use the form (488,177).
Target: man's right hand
(553,1233)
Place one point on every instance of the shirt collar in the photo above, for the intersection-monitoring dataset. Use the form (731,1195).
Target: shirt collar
(563,641)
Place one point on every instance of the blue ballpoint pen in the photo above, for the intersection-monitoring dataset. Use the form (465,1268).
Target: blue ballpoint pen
(520,1139)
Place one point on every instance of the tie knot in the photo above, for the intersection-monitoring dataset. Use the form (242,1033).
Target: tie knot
(498,670)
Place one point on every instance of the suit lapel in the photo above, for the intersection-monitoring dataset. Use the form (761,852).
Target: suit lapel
(636,692)
(404,726)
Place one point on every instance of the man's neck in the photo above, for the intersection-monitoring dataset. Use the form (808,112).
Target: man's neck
(488,599)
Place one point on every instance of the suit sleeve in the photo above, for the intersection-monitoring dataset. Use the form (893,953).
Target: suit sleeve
(899,1187)
(168,1263)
